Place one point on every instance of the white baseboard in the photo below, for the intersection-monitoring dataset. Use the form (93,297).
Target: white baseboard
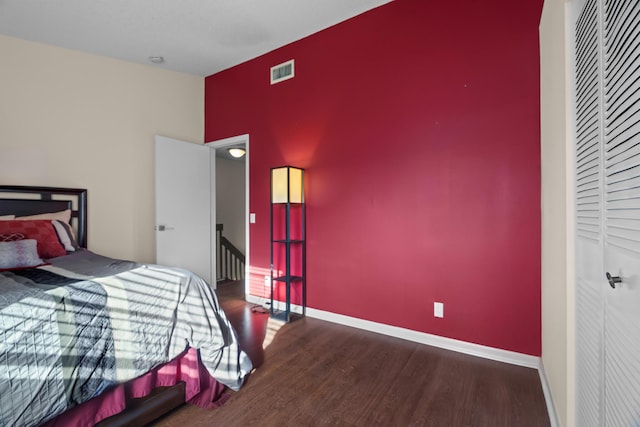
(548,397)
(478,350)
(430,339)
(279,305)
(256,300)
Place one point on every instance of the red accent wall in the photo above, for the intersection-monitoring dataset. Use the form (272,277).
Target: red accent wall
(418,126)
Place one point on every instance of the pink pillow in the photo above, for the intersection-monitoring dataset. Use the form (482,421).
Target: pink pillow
(41,230)
(64,215)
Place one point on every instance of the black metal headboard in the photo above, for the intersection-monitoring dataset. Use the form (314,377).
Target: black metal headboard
(23,200)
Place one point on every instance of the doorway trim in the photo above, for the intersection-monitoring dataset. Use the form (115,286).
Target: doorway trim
(227,142)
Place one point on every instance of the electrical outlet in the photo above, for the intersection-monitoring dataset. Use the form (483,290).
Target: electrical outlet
(267,281)
(438,309)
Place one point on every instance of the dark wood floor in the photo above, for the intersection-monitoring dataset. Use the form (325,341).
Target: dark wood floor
(318,373)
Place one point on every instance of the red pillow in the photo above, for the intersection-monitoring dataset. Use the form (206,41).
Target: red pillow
(11,237)
(41,230)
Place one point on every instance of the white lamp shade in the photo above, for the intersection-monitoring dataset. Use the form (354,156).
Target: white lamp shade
(287,185)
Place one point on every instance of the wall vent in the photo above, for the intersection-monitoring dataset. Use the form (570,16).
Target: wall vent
(282,72)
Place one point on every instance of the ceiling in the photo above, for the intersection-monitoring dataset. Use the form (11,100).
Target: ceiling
(199,37)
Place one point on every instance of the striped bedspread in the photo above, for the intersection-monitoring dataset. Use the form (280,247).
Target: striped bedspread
(74,328)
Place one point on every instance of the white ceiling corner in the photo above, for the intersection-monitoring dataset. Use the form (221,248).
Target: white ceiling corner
(199,37)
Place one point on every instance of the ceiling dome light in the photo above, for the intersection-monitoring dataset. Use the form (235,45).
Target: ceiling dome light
(236,152)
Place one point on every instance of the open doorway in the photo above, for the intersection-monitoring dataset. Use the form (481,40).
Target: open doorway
(232,204)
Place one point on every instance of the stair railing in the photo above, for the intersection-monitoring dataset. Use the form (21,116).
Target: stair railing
(230,262)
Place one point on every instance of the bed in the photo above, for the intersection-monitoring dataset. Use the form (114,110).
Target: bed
(86,339)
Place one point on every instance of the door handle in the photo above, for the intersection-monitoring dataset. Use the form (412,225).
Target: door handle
(613,280)
(162,227)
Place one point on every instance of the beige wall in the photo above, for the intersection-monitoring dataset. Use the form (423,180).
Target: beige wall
(72,119)
(558,350)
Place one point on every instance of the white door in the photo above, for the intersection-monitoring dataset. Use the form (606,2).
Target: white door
(590,287)
(185,206)
(621,156)
(607,79)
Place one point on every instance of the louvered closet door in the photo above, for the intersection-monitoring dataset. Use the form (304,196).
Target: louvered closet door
(589,236)
(607,105)
(622,211)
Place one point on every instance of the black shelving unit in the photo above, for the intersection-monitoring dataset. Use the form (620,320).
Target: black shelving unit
(288,239)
